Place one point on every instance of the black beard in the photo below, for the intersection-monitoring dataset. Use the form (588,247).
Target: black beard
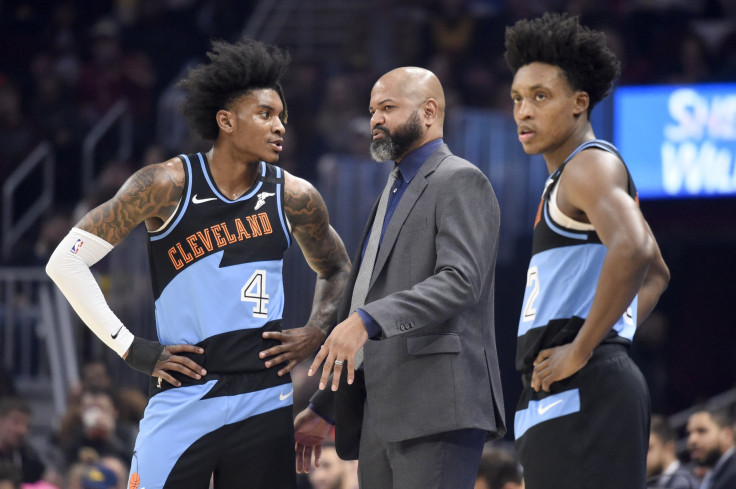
(393,146)
(710,459)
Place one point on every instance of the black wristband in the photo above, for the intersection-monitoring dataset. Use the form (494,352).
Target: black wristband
(144,354)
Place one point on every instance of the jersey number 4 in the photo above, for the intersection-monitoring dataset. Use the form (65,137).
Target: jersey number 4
(254,290)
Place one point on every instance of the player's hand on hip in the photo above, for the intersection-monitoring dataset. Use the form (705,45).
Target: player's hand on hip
(555,364)
(169,361)
(339,350)
(296,345)
(310,430)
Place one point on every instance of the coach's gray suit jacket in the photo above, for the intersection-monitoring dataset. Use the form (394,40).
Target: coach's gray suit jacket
(435,367)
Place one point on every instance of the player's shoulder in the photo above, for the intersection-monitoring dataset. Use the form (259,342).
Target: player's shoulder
(297,186)
(301,198)
(595,165)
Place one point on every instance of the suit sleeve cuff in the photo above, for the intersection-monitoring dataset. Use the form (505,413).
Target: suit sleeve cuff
(316,411)
(371,326)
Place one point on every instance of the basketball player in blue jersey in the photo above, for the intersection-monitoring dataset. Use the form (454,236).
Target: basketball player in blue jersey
(596,271)
(218,225)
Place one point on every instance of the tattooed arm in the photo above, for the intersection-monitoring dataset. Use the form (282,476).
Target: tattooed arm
(150,195)
(325,253)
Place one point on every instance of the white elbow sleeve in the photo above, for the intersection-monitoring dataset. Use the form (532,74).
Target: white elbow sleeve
(69,267)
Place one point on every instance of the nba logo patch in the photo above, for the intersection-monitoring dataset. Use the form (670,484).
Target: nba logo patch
(77,245)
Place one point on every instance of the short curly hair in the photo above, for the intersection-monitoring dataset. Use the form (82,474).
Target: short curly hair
(234,70)
(560,40)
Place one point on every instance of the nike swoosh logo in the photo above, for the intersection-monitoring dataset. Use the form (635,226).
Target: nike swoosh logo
(542,410)
(195,200)
(283,397)
(115,336)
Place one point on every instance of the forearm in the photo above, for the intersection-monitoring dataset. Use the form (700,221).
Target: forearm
(69,268)
(428,303)
(655,283)
(327,294)
(621,277)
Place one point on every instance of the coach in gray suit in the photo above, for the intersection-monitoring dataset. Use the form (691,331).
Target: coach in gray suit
(428,393)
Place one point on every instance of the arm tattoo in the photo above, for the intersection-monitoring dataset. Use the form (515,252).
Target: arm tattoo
(322,248)
(152,192)
(321,245)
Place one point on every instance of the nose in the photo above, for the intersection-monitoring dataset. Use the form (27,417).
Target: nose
(376,119)
(690,442)
(279,127)
(523,110)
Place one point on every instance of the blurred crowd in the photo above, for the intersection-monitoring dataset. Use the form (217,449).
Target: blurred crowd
(65,63)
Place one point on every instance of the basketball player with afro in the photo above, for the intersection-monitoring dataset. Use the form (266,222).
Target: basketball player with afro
(218,225)
(596,272)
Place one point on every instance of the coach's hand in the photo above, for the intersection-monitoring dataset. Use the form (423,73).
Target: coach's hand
(310,430)
(338,352)
(296,345)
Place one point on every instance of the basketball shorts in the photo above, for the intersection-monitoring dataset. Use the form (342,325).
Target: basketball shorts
(591,431)
(227,427)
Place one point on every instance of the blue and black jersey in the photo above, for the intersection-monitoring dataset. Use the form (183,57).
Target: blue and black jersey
(216,264)
(216,271)
(562,277)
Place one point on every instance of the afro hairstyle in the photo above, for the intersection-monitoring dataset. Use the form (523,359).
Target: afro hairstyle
(234,69)
(560,40)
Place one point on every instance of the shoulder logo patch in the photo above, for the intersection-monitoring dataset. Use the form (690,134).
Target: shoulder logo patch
(262,199)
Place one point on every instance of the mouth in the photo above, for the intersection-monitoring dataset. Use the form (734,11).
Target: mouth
(277,145)
(378,133)
(525,134)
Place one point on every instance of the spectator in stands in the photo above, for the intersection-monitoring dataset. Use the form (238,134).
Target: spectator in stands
(7,385)
(17,135)
(15,417)
(333,472)
(120,467)
(96,428)
(91,476)
(711,444)
(663,467)
(113,73)
(129,402)
(9,476)
(498,470)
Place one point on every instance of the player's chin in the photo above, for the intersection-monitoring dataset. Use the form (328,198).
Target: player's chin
(271,157)
(530,149)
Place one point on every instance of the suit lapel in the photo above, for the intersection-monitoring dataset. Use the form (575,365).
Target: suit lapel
(410,197)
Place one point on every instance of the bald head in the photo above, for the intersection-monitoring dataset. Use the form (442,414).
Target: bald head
(409,100)
(418,85)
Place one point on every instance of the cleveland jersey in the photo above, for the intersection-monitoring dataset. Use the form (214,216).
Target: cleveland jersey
(216,265)
(567,258)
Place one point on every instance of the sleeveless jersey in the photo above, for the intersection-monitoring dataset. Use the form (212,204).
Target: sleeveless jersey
(216,265)
(562,278)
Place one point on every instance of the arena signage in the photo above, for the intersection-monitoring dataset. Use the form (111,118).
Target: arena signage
(678,141)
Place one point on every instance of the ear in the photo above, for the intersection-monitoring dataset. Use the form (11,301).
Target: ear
(430,111)
(582,101)
(225,121)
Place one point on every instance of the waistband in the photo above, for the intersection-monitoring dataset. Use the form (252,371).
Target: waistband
(235,352)
(601,352)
